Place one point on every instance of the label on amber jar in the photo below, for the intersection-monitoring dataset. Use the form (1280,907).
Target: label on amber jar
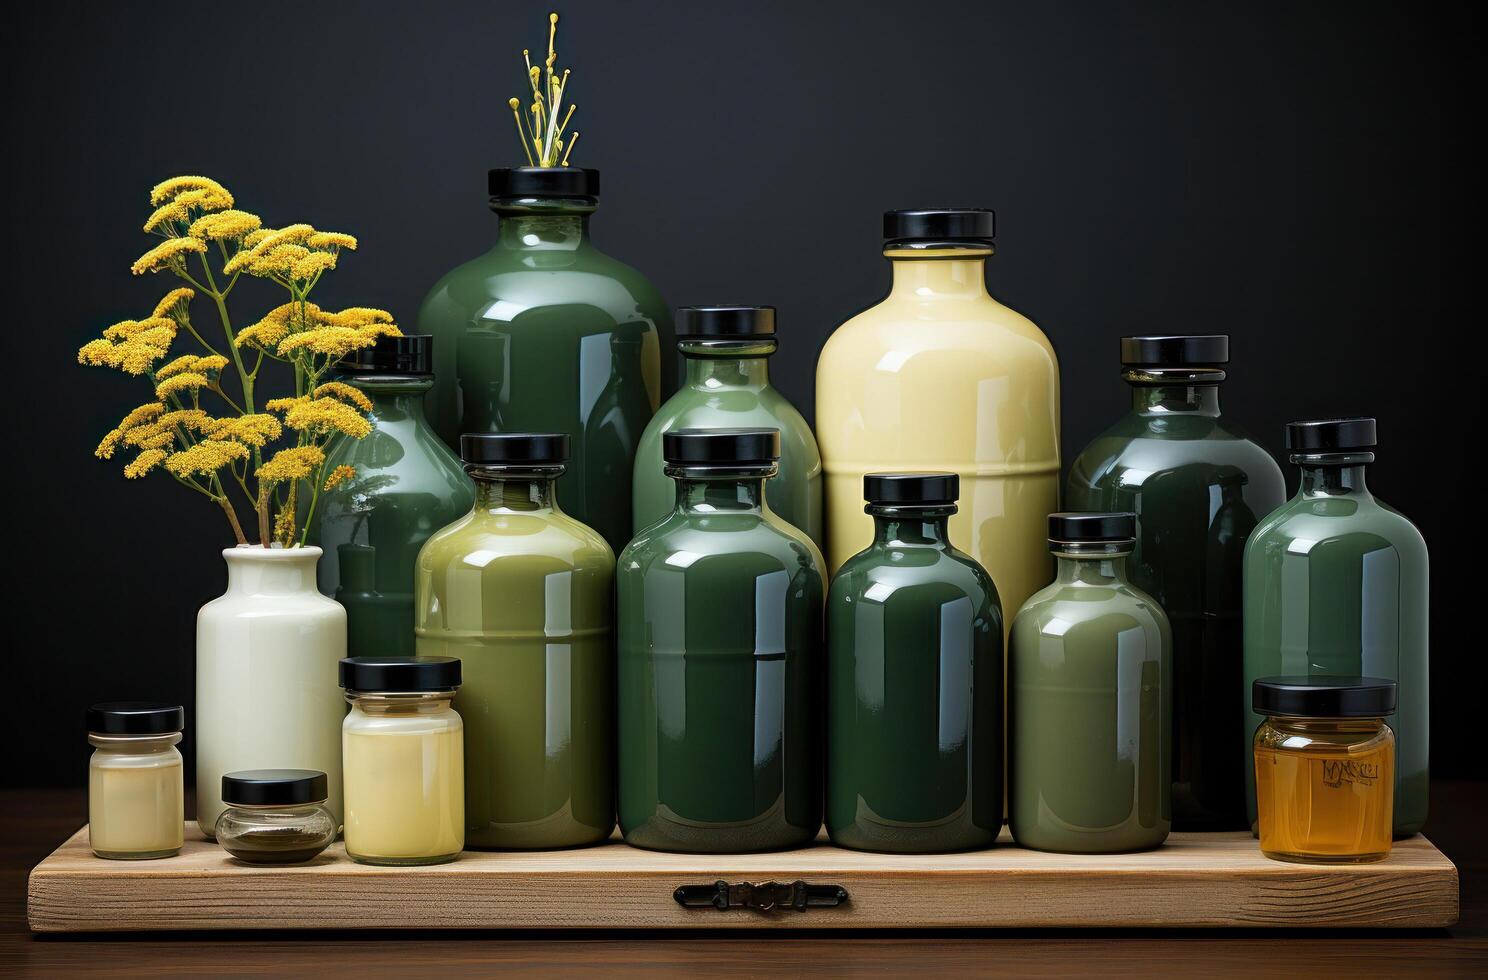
(1341,772)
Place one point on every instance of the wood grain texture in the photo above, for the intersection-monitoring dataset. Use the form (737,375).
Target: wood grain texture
(1196,880)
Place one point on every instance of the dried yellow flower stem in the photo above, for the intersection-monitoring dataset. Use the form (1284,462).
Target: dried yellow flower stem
(541,135)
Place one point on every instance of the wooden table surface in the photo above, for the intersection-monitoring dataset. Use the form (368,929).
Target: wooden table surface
(32,822)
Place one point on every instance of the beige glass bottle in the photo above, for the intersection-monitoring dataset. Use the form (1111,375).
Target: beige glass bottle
(941,376)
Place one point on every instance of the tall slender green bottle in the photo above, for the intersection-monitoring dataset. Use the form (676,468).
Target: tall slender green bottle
(914,678)
(1336,584)
(727,350)
(523,595)
(545,333)
(1199,487)
(719,618)
(407,486)
(1090,673)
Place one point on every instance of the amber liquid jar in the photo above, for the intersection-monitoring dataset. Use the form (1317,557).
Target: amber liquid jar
(1325,768)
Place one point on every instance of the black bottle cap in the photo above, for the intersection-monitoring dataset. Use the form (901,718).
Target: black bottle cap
(515,448)
(1200,350)
(1324,697)
(940,225)
(136,718)
(402,674)
(274,787)
(1331,435)
(721,447)
(543,182)
(725,322)
(411,354)
(1071,528)
(911,489)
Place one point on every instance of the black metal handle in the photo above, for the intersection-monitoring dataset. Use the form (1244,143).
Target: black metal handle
(763,896)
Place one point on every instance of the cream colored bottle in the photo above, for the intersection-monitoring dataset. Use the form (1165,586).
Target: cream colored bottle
(941,376)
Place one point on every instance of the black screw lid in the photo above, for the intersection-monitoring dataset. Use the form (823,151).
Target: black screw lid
(410,354)
(1198,350)
(1324,697)
(725,322)
(274,787)
(515,448)
(721,447)
(911,489)
(940,225)
(1331,435)
(404,674)
(543,182)
(1068,528)
(136,718)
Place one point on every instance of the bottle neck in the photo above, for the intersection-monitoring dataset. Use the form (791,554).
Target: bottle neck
(509,489)
(253,570)
(543,227)
(735,494)
(727,366)
(1333,479)
(395,398)
(1185,392)
(1093,563)
(939,273)
(911,527)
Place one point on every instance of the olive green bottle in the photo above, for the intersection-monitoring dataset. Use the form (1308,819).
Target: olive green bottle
(1090,672)
(406,485)
(727,351)
(914,680)
(1200,488)
(1336,585)
(523,595)
(719,618)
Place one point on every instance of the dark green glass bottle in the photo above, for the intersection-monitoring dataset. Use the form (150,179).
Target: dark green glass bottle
(545,333)
(1090,668)
(1199,488)
(914,679)
(1336,585)
(407,486)
(719,616)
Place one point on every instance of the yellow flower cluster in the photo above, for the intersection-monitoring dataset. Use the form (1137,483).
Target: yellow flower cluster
(345,392)
(224,225)
(132,346)
(295,463)
(210,365)
(339,475)
(144,463)
(257,430)
(297,253)
(205,458)
(177,383)
(321,416)
(170,253)
(173,304)
(145,413)
(207,190)
(306,327)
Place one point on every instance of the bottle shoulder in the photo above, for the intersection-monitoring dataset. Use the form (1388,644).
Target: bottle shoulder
(484,540)
(683,542)
(733,408)
(1059,607)
(979,327)
(1346,522)
(881,574)
(1198,450)
(502,283)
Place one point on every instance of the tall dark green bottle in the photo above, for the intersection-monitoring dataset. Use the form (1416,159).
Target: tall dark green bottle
(1336,584)
(407,486)
(719,617)
(545,333)
(914,679)
(1198,488)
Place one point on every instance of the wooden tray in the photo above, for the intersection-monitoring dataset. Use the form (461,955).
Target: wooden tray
(1194,880)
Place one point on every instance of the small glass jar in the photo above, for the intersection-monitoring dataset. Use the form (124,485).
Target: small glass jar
(1325,768)
(136,806)
(403,760)
(275,816)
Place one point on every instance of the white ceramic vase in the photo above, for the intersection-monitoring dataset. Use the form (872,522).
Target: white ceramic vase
(267,694)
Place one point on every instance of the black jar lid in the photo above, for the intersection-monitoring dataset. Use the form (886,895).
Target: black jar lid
(515,448)
(400,674)
(1160,351)
(1331,435)
(950,225)
(274,787)
(1071,528)
(911,489)
(410,354)
(725,323)
(543,182)
(1324,697)
(721,447)
(125,718)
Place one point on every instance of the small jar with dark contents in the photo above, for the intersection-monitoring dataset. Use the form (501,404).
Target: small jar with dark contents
(275,816)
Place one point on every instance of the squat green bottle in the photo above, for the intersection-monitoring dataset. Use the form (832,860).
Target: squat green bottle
(914,680)
(1199,488)
(727,351)
(407,485)
(1336,584)
(545,333)
(523,595)
(1090,670)
(719,618)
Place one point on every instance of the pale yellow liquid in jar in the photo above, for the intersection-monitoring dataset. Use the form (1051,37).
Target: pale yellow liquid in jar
(1325,791)
(404,785)
(135,803)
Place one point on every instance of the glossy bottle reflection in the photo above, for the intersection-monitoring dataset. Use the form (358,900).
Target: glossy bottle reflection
(523,595)
(1199,488)
(914,708)
(720,656)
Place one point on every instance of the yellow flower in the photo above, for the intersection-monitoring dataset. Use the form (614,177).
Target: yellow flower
(169,189)
(338,474)
(295,463)
(173,302)
(181,382)
(284,524)
(186,418)
(311,265)
(132,346)
(205,457)
(224,225)
(337,342)
(253,238)
(357,316)
(331,239)
(345,392)
(150,438)
(144,463)
(182,363)
(321,416)
(252,430)
(169,211)
(264,334)
(140,416)
(170,252)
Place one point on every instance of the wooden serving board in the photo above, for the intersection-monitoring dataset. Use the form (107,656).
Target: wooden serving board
(1194,880)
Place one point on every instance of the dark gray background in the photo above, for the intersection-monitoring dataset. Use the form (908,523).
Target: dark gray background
(1292,174)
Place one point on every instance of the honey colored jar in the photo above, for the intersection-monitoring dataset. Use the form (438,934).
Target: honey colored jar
(1325,768)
